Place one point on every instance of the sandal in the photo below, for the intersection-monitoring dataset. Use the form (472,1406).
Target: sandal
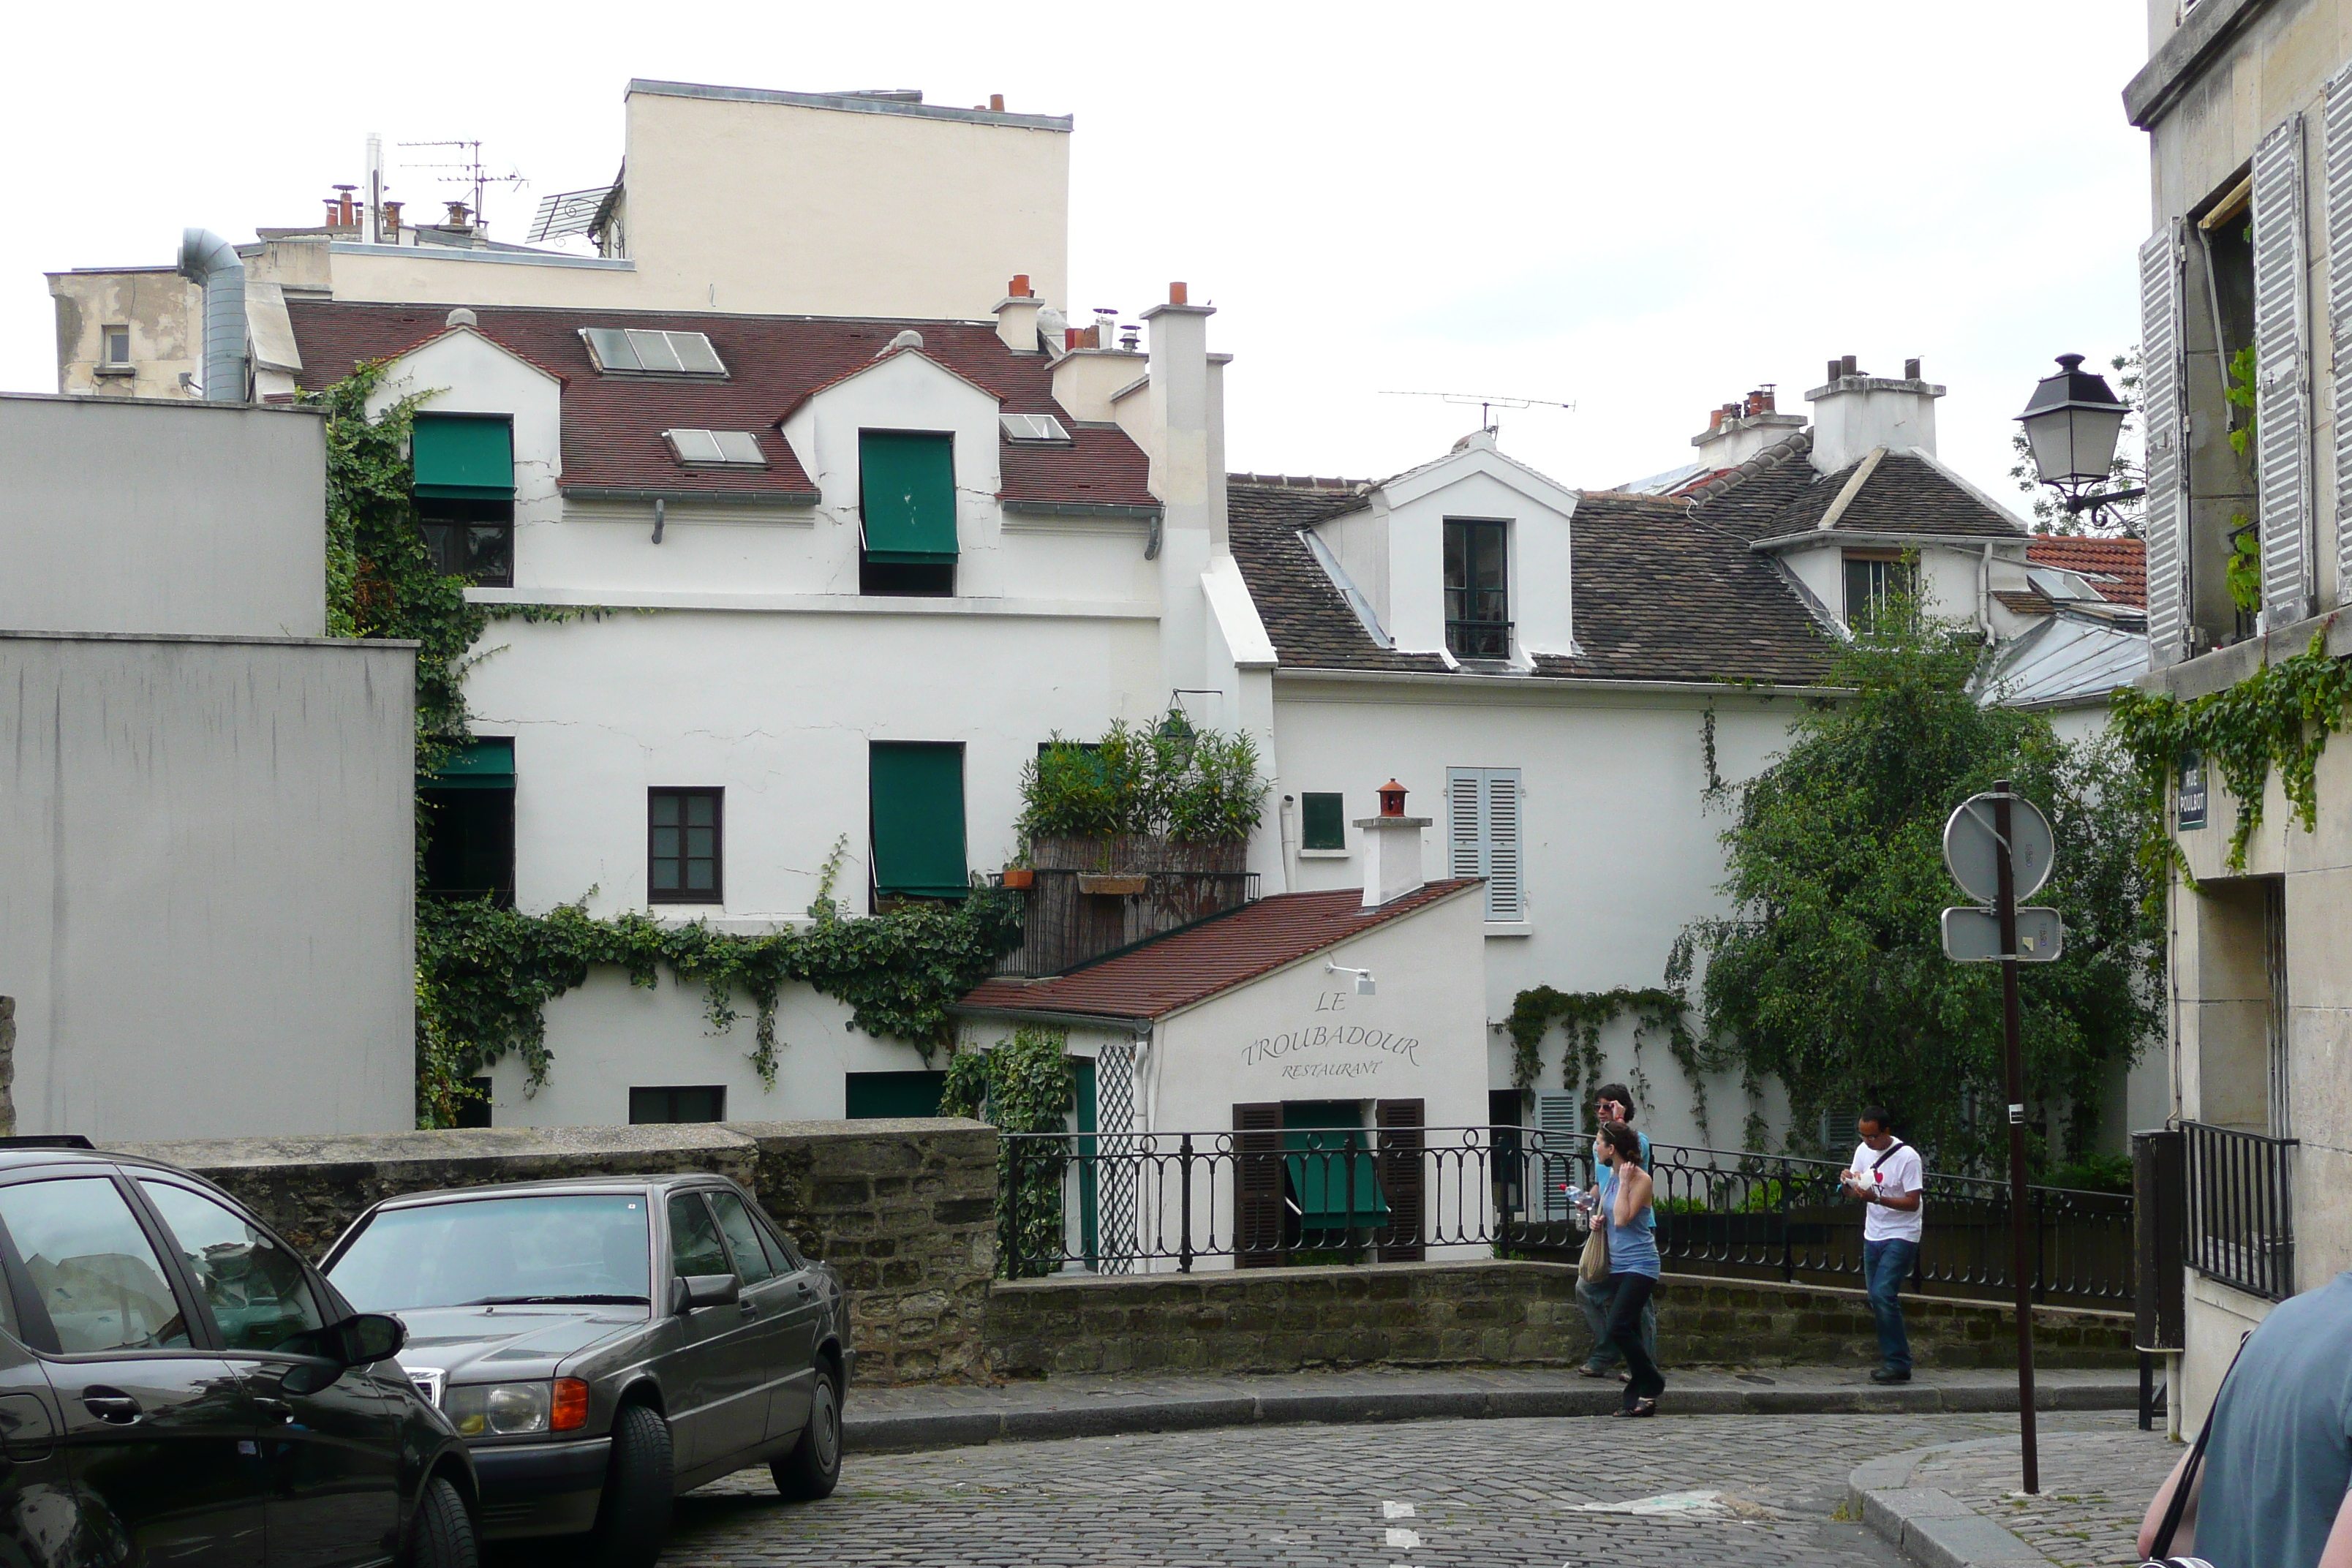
(1640,1409)
(1593,1372)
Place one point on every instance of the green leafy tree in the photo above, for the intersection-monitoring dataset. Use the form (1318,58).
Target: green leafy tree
(1830,973)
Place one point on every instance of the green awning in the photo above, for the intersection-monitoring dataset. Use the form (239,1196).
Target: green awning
(463,456)
(1319,1162)
(481,765)
(914,797)
(906,494)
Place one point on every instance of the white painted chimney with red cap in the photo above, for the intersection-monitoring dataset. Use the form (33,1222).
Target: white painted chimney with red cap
(1392,848)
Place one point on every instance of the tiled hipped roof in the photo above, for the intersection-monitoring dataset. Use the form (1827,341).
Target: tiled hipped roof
(612,424)
(1192,965)
(1659,595)
(1904,494)
(2117,568)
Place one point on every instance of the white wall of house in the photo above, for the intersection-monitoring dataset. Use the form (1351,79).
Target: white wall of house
(206,873)
(1620,851)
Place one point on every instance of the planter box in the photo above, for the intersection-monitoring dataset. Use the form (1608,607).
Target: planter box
(1020,878)
(1112,883)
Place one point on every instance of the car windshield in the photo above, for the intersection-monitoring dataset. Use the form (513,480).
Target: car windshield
(587,1248)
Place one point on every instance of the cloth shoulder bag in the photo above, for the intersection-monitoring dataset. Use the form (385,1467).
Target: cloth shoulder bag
(1592,1268)
(2178,1506)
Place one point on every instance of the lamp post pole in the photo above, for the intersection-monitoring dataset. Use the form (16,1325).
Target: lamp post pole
(2013,1059)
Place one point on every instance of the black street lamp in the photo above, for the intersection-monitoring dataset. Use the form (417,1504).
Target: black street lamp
(2071,423)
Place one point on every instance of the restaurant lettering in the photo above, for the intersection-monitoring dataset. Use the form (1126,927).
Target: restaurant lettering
(1329,1037)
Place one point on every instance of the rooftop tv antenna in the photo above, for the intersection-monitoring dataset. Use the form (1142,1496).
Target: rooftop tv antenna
(1487,402)
(469,170)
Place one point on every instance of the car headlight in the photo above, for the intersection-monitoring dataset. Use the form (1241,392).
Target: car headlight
(500,1409)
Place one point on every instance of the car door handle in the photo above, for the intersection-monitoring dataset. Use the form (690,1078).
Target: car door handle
(274,1409)
(802,1286)
(747,1309)
(111,1406)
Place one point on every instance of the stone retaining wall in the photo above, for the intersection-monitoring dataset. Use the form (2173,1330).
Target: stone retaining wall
(1499,1313)
(902,1208)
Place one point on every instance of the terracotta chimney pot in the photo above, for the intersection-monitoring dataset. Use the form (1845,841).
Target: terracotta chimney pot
(1176,294)
(1391,795)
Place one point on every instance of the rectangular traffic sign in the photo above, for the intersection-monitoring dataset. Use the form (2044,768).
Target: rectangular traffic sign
(1973,936)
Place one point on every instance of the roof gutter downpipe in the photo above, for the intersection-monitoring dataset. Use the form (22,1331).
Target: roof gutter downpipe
(208,259)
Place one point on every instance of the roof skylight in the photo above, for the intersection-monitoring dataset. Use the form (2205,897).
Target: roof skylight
(716,448)
(636,350)
(1032,428)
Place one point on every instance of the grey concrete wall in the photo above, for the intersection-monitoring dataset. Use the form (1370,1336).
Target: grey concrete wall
(148,516)
(1498,1313)
(206,884)
(904,1209)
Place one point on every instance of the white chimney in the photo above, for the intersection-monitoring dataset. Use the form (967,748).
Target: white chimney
(1392,848)
(1016,316)
(1855,414)
(1737,431)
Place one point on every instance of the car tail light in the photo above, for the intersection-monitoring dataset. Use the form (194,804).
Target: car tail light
(571,1404)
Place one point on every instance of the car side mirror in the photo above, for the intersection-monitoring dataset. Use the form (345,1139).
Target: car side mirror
(358,1341)
(688,1291)
(371,1337)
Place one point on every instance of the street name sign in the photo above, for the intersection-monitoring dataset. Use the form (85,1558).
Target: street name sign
(1973,936)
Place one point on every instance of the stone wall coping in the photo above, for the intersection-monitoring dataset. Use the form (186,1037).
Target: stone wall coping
(472,1144)
(1241,1278)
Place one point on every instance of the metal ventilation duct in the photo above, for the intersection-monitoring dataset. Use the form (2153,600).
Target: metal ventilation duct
(206,258)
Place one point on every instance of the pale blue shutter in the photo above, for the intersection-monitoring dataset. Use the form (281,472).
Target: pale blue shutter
(2337,177)
(1554,1168)
(2165,520)
(1482,835)
(2281,414)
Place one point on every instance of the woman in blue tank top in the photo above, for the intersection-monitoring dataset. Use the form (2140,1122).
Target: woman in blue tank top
(1629,1217)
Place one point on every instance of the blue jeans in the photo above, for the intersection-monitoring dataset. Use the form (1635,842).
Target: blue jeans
(1599,1302)
(1885,1266)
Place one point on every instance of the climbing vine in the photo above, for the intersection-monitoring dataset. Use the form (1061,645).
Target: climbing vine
(2279,717)
(485,974)
(1022,1085)
(1583,1015)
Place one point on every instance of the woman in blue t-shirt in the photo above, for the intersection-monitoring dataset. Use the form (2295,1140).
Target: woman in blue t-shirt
(1625,1209)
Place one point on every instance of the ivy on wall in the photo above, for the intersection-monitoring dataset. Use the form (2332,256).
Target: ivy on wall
(1584,1013)
(1022,1085)
(485,974)
(2279,717)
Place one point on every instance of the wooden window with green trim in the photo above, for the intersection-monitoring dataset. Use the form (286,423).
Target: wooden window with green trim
(906,505)
(1322,821)
(915,804)
(684,858)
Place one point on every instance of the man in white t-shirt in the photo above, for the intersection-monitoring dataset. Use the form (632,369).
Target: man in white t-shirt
(1888,1176)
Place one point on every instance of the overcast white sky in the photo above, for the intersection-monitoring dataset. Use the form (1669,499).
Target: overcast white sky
(1644,209)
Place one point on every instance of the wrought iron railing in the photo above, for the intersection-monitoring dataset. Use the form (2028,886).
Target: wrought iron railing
(1394,1193)
(2241,1209)
(1478,640)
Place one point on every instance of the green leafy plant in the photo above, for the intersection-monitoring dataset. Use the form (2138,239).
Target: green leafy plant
(2239,392)
(1584,1013)
(1026,1084)
(1828,975)
(1198,787)
(2279,717)
(2243,572)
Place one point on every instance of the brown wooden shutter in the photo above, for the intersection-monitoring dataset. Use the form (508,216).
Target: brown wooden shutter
(1258,1184)
(1401,1155)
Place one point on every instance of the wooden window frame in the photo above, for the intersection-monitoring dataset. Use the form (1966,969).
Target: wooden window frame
(716,892)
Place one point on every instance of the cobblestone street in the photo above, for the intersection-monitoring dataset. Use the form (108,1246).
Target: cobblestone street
(2094,1489)
(1505,1493)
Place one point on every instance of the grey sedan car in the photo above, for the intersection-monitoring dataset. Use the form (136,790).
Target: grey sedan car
(604,1345)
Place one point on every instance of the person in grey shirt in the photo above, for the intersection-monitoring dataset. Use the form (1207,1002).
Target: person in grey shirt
(2272,1490)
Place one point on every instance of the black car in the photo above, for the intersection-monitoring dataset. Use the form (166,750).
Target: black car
(604,1345)
(177,1386)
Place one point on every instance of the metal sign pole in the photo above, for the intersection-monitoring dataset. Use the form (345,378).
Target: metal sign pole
(2021,1264)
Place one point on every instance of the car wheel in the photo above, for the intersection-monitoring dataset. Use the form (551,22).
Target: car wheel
(442,1533)
(634,1517)
(813,1467)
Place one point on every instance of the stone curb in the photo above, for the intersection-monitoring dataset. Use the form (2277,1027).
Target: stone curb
(1107,1417)
(1931,1526)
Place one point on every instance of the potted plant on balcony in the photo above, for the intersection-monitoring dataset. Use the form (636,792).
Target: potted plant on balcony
(1135,802)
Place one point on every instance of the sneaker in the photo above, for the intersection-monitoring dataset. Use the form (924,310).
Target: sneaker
(1588,1370)
(1890,1374)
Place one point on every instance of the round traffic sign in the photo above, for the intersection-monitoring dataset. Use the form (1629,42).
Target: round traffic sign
(1972,849)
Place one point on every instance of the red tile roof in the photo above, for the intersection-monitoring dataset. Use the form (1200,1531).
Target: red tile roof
(2117,568)
(1196,963)
(612,424)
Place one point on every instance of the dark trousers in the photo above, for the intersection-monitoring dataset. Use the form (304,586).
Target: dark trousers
(1885,1266)
(1625,1334)
(1598,1303)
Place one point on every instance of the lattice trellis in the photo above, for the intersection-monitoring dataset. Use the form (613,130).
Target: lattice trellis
(1118,1183)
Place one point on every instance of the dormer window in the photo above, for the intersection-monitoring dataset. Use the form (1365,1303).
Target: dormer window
(1477,599)
(633,350)
(1875,579)
(715,449)
(1033,429)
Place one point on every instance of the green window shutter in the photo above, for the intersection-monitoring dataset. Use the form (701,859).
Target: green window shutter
(915,795)
(479,764)
(463,456)
(1320,1140)
(1322,822)
(906,494)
